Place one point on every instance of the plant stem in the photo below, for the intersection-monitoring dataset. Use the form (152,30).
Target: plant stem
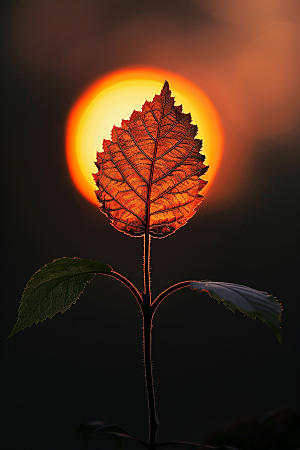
(148,313)
(153,422)
(147,275)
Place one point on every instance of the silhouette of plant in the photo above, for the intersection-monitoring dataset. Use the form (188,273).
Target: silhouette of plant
(149,185)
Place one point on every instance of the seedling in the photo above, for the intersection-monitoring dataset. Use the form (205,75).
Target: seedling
(149,185)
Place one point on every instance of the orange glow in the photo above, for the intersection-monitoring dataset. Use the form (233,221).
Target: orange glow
(114,97)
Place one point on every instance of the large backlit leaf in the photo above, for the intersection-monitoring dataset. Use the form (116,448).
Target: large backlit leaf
(54,288)
(249,301)
(148,173)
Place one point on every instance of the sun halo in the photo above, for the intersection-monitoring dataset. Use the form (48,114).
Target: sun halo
(114,97)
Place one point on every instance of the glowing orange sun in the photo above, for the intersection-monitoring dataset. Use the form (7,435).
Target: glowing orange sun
(114,97)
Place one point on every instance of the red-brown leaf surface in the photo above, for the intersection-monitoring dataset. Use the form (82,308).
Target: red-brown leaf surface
(148,174)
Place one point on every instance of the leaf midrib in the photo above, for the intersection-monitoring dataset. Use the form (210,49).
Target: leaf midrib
(152,166)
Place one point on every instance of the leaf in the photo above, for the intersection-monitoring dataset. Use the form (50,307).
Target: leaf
(148,173)
(280,430)
(250,302)
(115,429)
(118,433)
(54,288)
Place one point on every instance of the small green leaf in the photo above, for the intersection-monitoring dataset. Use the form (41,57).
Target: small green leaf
(54,288)
(250,302)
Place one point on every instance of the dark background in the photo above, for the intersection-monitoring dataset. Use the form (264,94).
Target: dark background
(210,366)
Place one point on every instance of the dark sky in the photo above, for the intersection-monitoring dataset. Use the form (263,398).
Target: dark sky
(210,366)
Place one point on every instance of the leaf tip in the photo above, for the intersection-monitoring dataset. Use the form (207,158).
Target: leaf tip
(12,333)
(15,329)
(276,331)
(166,87)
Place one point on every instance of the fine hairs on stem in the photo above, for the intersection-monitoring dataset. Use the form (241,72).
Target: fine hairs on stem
(148,312)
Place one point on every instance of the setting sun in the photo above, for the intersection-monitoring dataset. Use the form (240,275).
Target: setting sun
(114,97)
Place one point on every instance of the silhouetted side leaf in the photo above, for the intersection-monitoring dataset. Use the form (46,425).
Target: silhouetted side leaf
(148,173)
(278,431)
(54,288)
(250,302)
(117,432)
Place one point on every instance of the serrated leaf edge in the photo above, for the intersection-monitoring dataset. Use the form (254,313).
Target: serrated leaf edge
(230,305)
(22,301)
